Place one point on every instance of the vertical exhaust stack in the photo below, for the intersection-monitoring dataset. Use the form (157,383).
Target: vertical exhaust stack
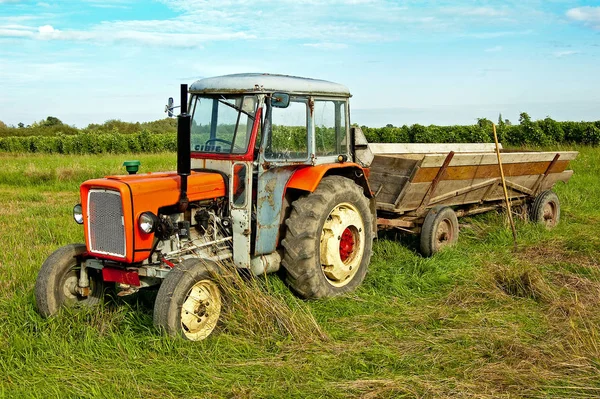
(184,165)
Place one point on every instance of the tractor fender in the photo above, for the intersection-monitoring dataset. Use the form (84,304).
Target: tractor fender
(309,177)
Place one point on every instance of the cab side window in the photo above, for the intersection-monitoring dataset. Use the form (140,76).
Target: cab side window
(330,127)
(289,132)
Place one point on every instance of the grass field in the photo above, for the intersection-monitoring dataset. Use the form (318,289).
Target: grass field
(478,320)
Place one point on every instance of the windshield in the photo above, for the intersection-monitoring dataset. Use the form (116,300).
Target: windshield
(221,124)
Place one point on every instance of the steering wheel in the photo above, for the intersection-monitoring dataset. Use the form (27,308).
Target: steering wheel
(228,143)
(216,140)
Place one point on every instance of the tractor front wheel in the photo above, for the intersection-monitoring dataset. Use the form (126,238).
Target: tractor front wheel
(58,281)
(188,303)
(329,239)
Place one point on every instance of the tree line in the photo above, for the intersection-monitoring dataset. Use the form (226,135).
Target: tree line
(526,133)
(114,136)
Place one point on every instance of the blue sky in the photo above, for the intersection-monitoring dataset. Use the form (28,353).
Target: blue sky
(405,62)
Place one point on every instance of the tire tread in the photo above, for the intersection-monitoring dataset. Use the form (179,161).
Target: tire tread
(301,258)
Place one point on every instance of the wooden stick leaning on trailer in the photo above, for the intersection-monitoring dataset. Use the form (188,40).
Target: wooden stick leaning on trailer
(510,218)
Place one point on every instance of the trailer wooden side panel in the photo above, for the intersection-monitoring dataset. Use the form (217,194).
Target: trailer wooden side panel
(390,174)
(403,182)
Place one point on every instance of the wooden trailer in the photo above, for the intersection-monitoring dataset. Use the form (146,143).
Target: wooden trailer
(423,188)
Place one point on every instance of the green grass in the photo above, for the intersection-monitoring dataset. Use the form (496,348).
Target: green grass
(478,320)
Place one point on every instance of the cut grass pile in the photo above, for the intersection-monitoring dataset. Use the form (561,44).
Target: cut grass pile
(478,320)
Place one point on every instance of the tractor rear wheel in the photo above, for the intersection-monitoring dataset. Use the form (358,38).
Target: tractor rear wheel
(329,239)
(57,282)
(188,303)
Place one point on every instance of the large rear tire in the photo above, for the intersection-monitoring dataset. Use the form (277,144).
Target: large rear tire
(188,303)
(546,209)
(57,281)
(329,239)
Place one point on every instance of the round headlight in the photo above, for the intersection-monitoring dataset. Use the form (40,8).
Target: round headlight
(78,213)
(147,222)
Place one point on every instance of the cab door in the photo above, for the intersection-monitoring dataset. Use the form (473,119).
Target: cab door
(286,145)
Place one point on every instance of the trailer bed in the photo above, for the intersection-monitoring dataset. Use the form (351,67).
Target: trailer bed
(408,179)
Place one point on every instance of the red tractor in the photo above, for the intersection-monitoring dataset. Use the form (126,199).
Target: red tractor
(264,177)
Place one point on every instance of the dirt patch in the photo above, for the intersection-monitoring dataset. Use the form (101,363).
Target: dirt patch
(37,175)
(9,209)
(553,253)
(525,282)
(379,388)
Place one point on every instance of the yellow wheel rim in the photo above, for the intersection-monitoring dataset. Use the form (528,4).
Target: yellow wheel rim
(342,244)
(200,310)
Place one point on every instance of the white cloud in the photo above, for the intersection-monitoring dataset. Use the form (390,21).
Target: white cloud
(327,45)
(325,24)
(329,2)
(486,12)
(118,6)
(4,32)
(590,16)
(475,11)
(123,4)
(567,53)
(495,49)
(46,29)
(204,21)
(13,19)
(154,33)
(493,35)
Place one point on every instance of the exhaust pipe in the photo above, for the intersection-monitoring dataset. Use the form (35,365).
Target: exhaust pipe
(184,163)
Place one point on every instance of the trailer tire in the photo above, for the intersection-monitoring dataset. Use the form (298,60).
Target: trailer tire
(439,230)
(188,302)
(58,277)
(329,240)
(545,209)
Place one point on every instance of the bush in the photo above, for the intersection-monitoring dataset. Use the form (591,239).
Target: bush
(552,130)
(14,144)
(84,143)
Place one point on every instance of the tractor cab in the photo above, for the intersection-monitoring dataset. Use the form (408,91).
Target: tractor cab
(259,130)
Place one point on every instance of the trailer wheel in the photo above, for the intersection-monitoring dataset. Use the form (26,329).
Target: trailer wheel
(546,209)
(440,229)
(329,239)
(58,279)
(188,303)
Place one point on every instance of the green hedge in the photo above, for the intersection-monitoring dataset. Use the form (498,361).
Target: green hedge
(53,126)
(83,143)
(527,132)
(542,132)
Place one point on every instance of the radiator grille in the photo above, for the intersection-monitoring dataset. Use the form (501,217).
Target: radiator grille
(105,222)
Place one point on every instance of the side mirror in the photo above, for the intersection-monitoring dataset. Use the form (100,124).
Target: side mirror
(280,100)
(169,107)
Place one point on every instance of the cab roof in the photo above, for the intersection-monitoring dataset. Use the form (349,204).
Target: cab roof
(267,83)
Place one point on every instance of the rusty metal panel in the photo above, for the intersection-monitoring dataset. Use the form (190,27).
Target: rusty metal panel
(269,207)
(241,214)
(241,237)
